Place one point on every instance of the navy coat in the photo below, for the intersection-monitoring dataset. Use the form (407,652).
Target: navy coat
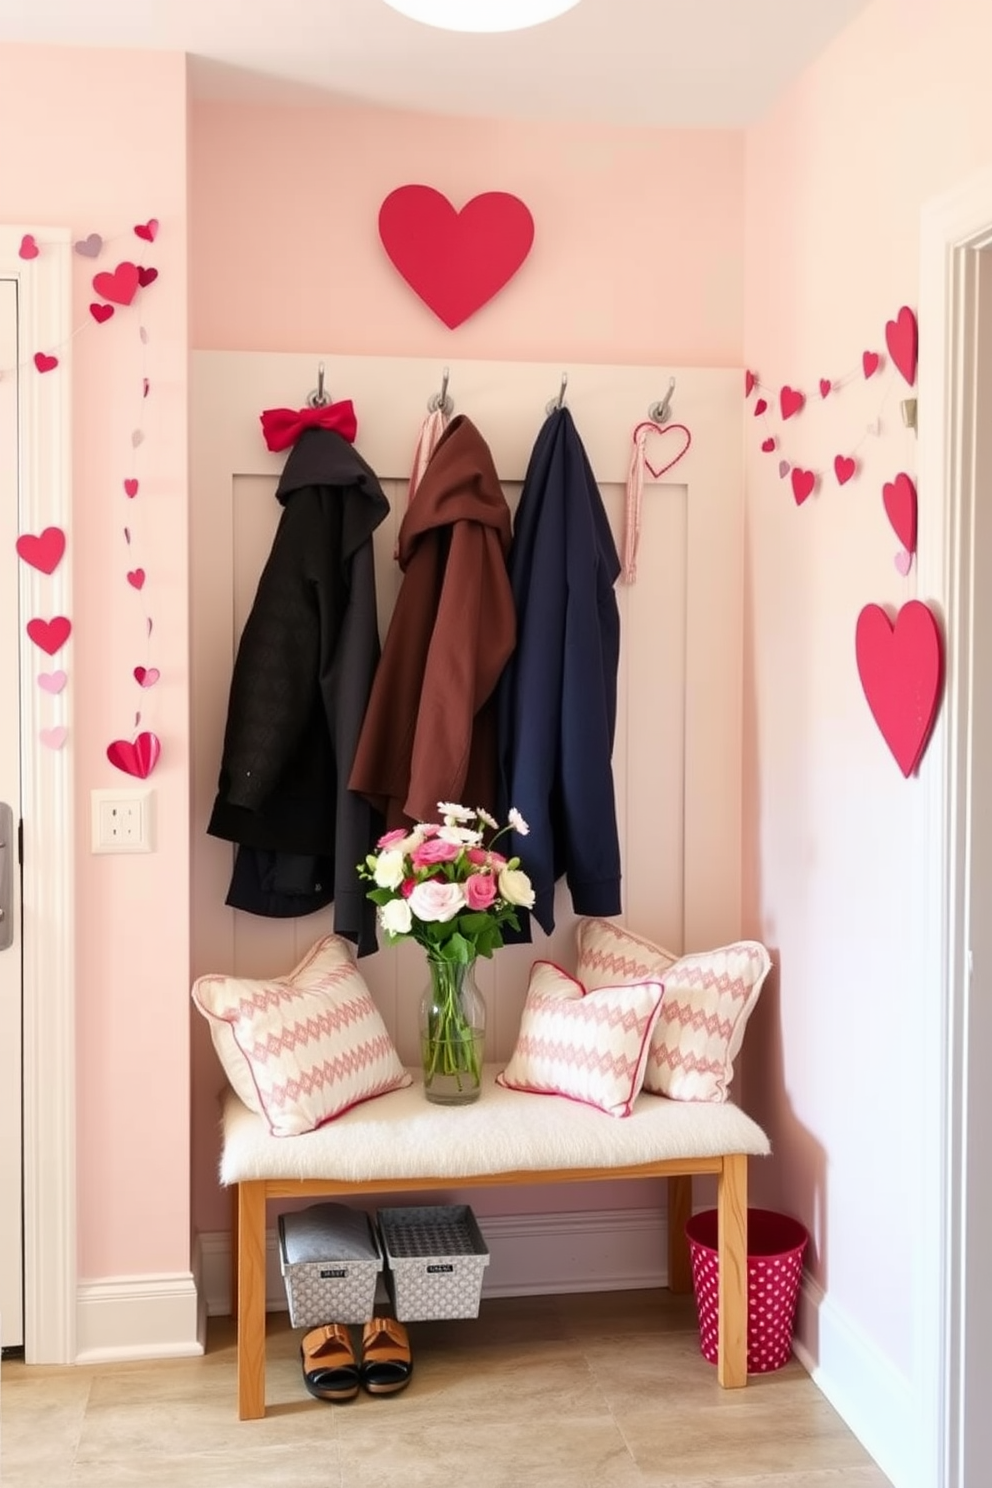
(558,693)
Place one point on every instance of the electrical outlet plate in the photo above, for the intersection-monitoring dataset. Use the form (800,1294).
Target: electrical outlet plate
(122,821)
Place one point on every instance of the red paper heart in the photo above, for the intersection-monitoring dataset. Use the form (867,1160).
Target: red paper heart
(45,363)
(138,758)
(29,248)
(121,286)
(844,468)
(136,578)
(146,676)
(826,387)
(899,500)
(50,635)
(455,261)
(760,407)
(803,482)
(146,276)
(147,230)
(130,487)
(750,382)
(43,552)
(101,313)
(900,667)
(902,339)
(869,362)
(661,431)
(792,401)
(768,445)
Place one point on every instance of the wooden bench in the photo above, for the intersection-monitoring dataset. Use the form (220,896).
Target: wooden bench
(400,1143)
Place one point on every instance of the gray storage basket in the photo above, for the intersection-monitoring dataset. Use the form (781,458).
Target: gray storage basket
(435,1257)
(330,1261)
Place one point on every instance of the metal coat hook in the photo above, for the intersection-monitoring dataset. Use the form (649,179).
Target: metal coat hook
(559,402)
(440,402)
(318,398)
(661,412)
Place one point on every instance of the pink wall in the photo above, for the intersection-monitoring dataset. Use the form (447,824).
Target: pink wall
(636,255)
(101,145)
(896,111)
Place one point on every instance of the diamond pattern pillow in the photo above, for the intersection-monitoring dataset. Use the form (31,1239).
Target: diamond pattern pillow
(589,1046)
(609,953)
(708,1000)
(301,1049)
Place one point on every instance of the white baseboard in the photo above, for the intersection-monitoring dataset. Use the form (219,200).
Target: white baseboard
(875,1401)
(137,1317)
(530,1254)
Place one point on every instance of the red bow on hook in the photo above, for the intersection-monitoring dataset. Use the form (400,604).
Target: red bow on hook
(282,427)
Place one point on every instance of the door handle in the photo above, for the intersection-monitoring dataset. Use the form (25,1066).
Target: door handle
(6,877)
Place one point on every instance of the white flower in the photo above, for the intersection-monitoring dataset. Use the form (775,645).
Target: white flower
(460,835)
(436,901)
(389,872)
(395,917)
(515,888)
(453,813)
(484,816)
(517,822)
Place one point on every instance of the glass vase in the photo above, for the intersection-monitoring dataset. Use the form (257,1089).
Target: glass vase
(452,1033)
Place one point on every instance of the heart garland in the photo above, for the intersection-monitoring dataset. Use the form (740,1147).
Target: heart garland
(44,552)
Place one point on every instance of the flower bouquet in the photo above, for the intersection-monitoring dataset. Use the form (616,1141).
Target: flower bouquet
(444,885)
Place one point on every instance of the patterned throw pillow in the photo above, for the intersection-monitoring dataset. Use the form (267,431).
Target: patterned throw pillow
(608,953)
(301,1049)
(590,1046)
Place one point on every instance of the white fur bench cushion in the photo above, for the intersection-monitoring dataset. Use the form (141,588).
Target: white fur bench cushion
(402,1135)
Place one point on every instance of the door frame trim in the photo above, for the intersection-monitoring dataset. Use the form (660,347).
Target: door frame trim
(47,809)
(953,226)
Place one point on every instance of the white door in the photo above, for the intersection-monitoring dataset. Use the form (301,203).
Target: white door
(11,1190)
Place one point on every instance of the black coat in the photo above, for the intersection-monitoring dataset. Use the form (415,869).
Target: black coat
(558,695)
(299,691)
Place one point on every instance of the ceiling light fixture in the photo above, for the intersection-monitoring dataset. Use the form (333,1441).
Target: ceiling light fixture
(482,15)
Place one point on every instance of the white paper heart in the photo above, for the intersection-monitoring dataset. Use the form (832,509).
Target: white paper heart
(53,738)
(89,247)
(52,682)
(783,469)
(137,437)
(143,334)
(904,561)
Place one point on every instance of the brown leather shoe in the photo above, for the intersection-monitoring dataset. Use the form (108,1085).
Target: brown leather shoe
(386,1360)
(330,1369)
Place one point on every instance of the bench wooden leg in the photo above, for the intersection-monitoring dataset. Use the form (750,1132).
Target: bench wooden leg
(679,1211)
(250,1262)
(731,1203)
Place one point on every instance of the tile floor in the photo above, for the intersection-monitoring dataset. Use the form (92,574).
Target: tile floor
(597,1391)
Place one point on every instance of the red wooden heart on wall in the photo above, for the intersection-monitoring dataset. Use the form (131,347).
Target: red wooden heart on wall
(455,261)
(901,666)
(43,552)
(901,337)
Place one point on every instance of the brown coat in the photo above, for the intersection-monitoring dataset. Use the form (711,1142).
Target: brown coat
(429,733)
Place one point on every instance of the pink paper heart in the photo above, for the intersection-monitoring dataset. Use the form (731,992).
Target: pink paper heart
(52,682)
(146,387)
(130,487)
(147,230)
(45,363)
(803,482)
(146,676)
(138,758)
(662,431)
(760,407)
(768,445)
(844,468)
(53,738)
(89,247)
(903,561)
(783,469)
(826,387)
(869,362)
(136,578)
(750,382)
(43,552)
(50,635)
(792,401)
(120,285)
(29,247)
(101,313)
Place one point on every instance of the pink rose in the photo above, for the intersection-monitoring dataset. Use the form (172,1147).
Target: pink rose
(436,901)
(434,851)
(399,834)
(480,890)
(481,857)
